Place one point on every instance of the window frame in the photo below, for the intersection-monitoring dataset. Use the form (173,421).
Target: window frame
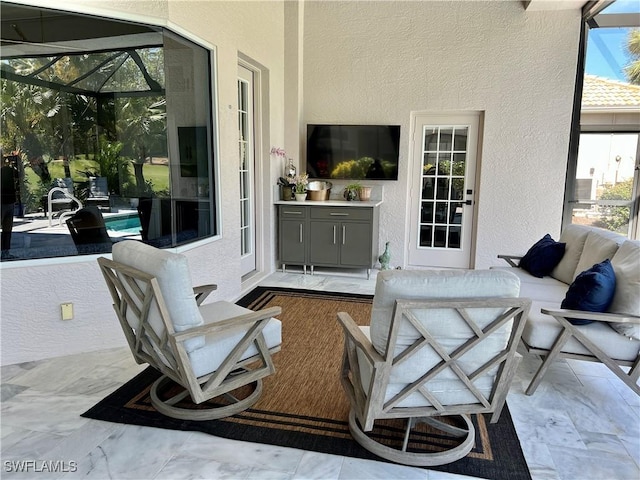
(590,20)
(214,166)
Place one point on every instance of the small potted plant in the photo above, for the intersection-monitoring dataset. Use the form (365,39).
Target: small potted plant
(351,191)
(300,183)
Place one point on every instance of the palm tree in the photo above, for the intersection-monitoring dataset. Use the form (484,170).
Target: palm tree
(633,47)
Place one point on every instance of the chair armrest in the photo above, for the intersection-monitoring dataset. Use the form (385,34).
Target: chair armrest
(511,259)
(595,316)
(203,291)
(233,322)
(360,340)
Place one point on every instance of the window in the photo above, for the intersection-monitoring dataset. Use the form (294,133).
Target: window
(112,116)
(602,182)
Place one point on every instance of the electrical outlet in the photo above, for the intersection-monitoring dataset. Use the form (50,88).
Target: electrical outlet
(67,311)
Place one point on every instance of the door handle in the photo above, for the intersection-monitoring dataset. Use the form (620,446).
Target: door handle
(468,202)
(344,234)
(301,233)
(334,234)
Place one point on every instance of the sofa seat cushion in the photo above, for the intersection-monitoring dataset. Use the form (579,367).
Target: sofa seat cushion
(591,291)
(535,288)
(626,264)
(172,273)
(542,257)
(541,330)
(526,277)
(574,237)
(218,346)
(600,245)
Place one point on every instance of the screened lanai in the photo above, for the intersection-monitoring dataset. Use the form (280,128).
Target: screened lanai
(89,119)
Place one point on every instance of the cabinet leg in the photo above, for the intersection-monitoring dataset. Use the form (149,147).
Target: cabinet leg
(304,269)
(311,269)
(284,268)
(368,273)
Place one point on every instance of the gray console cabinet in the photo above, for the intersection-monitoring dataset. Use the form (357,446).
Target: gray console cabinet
(328,236)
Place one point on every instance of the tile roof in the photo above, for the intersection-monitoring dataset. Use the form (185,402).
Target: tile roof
(602,92)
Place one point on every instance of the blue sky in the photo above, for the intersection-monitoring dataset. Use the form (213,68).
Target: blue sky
(606,47)
(606,53)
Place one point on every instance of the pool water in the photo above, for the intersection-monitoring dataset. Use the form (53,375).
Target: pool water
(123,223)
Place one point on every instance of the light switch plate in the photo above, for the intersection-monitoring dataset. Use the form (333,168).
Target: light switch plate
(67,311)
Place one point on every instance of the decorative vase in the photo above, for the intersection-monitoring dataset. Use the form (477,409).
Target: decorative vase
(301,197)
(286,193)
(350,195)
(385,257)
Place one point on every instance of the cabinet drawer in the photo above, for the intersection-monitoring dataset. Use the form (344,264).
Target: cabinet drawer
(292,211)
(344,213)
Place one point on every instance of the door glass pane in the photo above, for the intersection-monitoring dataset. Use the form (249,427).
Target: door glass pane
(441,212)
(460,142)
(454,237)
(427,188)
(603,195)
(440,237)
(430,139)
(426,232)
(445,139)
(442,191)
(426,213)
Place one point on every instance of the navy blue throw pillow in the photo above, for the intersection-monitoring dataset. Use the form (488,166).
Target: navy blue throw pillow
(542,257)
(591,291)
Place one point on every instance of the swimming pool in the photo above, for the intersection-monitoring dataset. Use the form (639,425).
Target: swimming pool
(123,223)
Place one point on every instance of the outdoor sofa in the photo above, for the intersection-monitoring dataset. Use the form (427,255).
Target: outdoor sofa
(565,280)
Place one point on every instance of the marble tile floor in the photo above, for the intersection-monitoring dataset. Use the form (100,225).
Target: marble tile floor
(582,423)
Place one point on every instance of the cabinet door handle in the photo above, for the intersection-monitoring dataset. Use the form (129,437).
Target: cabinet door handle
(344,234)
(337,214)
(334,234)
(291,213)
(300,233)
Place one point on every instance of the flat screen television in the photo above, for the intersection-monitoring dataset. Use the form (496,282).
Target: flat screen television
(354,152)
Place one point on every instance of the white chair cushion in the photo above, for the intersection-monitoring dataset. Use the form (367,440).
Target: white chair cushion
(218,346)
(444,325)
(574,237)
(626,265)
(449,390)
(541,330)
(599,246)
(428,284)
(172,273)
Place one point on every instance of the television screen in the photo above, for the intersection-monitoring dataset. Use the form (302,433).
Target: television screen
(354,152)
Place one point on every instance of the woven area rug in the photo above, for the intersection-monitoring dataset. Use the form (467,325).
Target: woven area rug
(303,405)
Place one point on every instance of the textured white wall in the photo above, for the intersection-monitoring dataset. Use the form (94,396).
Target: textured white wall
(31,327)
(376,62)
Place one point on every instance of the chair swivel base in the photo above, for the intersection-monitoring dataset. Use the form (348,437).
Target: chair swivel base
(466,436)
(170,409)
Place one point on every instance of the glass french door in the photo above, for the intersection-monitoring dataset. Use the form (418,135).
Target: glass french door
(442,197)
(246,168)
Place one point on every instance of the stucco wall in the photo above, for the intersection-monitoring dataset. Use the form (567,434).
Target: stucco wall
(31,292)
(376,62)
